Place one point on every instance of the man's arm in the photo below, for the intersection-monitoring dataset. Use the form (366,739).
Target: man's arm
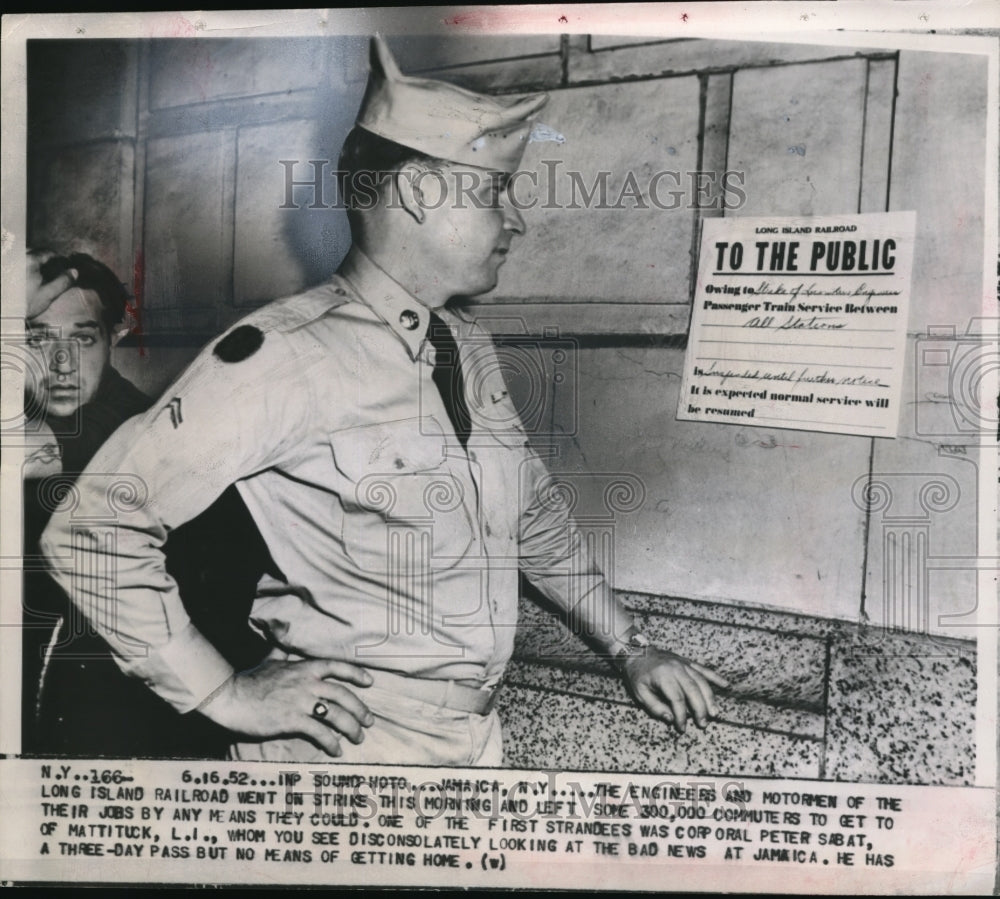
(220,422)
(555,559)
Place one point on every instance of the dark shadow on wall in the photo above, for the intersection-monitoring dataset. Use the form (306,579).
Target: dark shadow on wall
(317,233)
(80,141)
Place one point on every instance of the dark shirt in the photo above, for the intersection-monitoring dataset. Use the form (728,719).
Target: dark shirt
(76,701)
(81,435)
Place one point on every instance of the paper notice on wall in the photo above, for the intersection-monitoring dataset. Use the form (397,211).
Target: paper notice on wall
(801,323)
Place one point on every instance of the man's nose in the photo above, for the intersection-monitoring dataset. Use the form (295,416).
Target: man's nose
(512,219)
(62,357)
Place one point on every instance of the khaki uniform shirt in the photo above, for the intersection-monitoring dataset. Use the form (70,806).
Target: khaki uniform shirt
(397,548)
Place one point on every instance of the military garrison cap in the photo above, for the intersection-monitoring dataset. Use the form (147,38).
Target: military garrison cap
(445,121)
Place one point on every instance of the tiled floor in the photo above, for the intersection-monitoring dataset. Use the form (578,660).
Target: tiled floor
(810,698)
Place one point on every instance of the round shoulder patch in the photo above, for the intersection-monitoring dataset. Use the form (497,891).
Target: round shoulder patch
(239,344)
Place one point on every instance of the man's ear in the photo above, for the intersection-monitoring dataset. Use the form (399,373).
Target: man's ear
(407,184)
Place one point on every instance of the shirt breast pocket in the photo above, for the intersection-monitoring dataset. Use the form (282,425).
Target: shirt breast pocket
(404,510)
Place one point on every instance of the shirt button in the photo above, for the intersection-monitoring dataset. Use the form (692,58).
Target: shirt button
(409,319)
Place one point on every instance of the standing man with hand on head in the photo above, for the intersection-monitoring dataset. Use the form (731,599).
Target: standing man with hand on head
(76,701)
(369,431)
(74,695)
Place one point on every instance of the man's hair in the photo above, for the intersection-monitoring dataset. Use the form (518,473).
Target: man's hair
(95,276)
(366,160)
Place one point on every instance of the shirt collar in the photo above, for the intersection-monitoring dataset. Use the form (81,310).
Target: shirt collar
(405,315)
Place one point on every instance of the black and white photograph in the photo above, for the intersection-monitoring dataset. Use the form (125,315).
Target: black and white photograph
(500,446)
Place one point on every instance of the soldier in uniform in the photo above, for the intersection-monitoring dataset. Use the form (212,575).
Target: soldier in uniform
(369,432)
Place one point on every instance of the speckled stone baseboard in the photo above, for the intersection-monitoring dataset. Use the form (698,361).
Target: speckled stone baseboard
(901,709)
(810,698)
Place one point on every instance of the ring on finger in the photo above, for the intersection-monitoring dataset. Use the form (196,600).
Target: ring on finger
(320,710)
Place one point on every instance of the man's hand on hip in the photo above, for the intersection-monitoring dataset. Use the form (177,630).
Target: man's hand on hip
(670,687)
(303,698)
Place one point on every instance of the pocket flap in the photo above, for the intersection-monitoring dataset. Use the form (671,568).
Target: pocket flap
(396,447)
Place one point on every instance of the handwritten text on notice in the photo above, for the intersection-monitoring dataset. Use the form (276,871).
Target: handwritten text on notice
(801,323)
